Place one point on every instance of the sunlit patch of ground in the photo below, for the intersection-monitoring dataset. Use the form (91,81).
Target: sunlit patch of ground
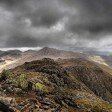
(6,64)
(98,59)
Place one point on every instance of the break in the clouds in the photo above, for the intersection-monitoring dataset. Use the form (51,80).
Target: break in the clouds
(56,23)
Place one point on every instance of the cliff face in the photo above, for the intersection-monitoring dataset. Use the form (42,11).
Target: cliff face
(73,85)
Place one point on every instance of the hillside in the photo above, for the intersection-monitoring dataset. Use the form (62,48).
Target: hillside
(55,53)
(95,78)
(13,53)
(65,85)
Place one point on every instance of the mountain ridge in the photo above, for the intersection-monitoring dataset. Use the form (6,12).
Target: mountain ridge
(50,86)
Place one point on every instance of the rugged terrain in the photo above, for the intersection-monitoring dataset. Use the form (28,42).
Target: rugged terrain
(14,58)
(63,85)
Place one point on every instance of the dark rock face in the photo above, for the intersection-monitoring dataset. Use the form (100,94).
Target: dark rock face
(56,73)
(95,78)
(5,108)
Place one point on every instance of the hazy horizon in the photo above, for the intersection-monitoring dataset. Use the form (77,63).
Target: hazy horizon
(23,49)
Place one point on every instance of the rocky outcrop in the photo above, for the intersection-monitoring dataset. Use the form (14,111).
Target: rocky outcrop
(94,78)
(7,104)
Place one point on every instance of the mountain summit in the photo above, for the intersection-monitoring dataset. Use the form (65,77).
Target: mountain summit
(49,51)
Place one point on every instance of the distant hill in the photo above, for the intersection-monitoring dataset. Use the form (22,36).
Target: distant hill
(13,53)
(55,53)
(94,52)
(1,52)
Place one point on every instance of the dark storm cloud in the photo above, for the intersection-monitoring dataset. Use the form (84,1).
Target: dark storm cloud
(84,19)
(36,13)
(45,17)
(40,12)
(49,40)
(11,2)
(21,41)
(95,16)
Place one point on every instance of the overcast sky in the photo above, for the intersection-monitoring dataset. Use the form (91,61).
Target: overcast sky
(65,24)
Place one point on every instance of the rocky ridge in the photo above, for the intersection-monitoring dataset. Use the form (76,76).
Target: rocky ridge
(70,85)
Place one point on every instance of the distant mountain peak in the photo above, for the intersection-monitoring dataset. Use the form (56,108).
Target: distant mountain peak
(48,51)
(48,48)
(45,48)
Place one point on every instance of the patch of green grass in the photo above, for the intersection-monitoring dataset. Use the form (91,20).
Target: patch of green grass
(41,87)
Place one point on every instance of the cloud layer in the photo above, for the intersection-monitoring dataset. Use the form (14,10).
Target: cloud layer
(56,23)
